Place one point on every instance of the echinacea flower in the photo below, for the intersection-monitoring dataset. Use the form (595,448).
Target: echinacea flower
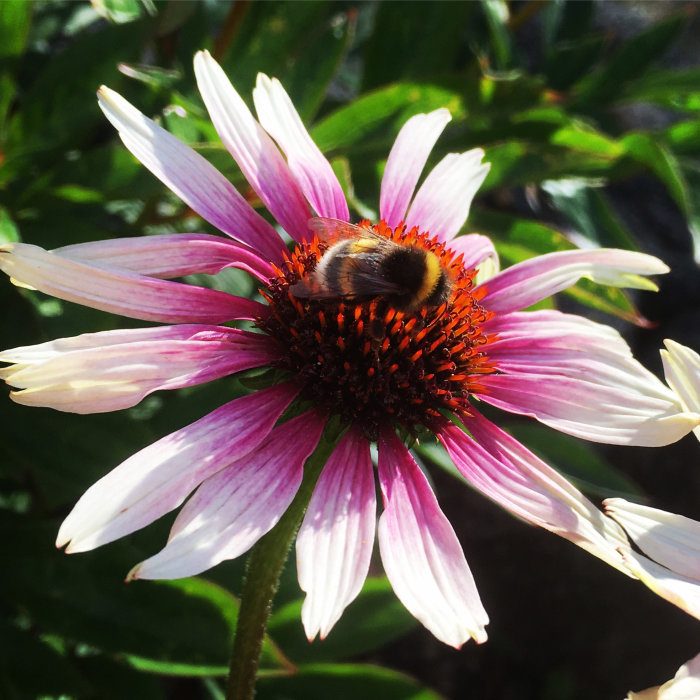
(428,370)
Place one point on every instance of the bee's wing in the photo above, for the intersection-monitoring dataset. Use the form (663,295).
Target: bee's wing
(363,275)
(333,230)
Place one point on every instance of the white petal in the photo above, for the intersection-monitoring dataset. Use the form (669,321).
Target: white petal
(253,150)
(192,178)
(535,279)
(308,165)
(682,371)
(505,471)
(420,551)
(334,544)
(234,508)
(159,478)
(683,592)
(442,203)
(671,540)
(406,161)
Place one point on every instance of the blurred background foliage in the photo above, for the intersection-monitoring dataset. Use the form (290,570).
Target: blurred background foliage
(589,113)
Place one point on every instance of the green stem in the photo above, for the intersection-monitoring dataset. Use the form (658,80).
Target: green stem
(265,564)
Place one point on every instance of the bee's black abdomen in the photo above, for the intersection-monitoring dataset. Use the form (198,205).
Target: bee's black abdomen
(405,267)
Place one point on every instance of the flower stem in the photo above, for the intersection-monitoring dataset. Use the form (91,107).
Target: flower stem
(265,564)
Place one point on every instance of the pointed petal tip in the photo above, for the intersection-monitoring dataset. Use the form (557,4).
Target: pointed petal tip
(133,574)
(263,80)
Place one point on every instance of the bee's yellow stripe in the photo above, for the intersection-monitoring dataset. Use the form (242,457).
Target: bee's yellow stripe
(433,270)
(362,245)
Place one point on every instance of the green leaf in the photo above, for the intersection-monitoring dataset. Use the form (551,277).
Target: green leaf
(518,239)
(15,22)
(377,116)
(497,15)
(32,668)
(58,107)
(328,43)
(577,460)
(570,61)
(154,76)
(375,618)
(628,62)
(414,41)
(690,169)
(676,89)
(84,600)
(274,37)
(342,682)
(122,11)
(8,229)
(647,149)
(564,21)
(590,213)
(531,236)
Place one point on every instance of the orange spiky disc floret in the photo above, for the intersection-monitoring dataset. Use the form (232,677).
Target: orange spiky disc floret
(422,363)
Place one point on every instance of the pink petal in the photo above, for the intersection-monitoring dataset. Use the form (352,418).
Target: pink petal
(308,165)
(406,161)
(477,251)
(253,150)
(671,540)
(108,371)
(580,377)
(192,178)
(234,508)
(120,291)
(535,279)
(334,544)
(442,203)
(591,407)
(420,551)
(509,474)
(170,255)
(157,479)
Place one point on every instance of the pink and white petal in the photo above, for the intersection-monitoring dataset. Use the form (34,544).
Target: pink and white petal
(683,592)
(33,354)
(579,377)
(591,406)
(406,161)
(234,508)
(157,479)
(111,377)
(190,176)
(170,255)
(420,551)
(669,539)
(478,252)
(308,165)
(442,203)
(121,291)
(256,154)
(567,345)
(509,474)
(682,372)
(535,279)
(334,544)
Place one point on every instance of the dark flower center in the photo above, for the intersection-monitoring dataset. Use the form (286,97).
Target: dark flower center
(370,363)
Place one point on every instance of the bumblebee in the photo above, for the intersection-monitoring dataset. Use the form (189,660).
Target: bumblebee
(363,265)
